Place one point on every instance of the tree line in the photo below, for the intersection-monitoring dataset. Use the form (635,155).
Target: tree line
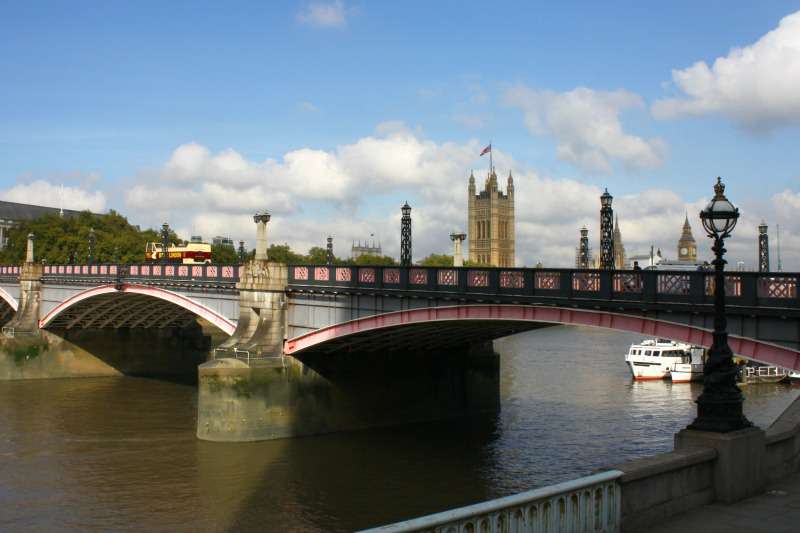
(60,240)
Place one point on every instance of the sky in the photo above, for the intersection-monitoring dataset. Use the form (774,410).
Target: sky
(332,114)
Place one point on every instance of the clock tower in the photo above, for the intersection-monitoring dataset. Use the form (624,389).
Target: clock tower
(687,247)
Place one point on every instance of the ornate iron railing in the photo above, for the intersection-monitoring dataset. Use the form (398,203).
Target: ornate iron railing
(589,504)
(146,272)
(647,286)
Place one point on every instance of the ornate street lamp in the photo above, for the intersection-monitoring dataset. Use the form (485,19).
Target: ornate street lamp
(165,243)
(92,239)
(329,251)
(405,235)
(242,253)
(763,248)
(719,407)
(606,232)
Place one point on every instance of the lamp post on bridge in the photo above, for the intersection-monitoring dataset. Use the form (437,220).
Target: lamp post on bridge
(29,248)
(261,220)
(458,257)
(763,248)
(405,235)
(329,251)
(242,253)
(165,243)
(606,232)
(92,240)
(719,407)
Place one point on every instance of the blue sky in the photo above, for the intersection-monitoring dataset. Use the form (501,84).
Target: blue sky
(99,96)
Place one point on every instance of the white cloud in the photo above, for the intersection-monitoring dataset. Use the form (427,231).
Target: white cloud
(41,192)
(758,86)
(324,15)
(586,124)
(308,107)
(356,189)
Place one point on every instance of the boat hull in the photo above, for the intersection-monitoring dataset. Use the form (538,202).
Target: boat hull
(648,372)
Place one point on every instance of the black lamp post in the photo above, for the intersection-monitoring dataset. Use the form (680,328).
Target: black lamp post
(92,239)
(405,235)
(606,232)
(242,253)
(165,243)
(719,407)
(329,251)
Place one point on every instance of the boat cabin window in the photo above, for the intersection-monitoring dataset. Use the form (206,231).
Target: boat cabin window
(656,353)
(647,352)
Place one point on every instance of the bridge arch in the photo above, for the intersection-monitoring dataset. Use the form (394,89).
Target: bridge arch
(130,305)
(387,330)
(10,300)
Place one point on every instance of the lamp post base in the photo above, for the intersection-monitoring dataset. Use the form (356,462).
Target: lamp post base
(720,413)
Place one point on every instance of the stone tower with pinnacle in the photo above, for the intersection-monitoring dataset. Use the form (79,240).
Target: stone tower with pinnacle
(491,222)
(687,247)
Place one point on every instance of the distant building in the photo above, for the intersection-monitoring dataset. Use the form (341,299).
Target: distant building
(491,223)
(687,247)
(12,214)
(367,248)
(222,241)
(619,248)
(197,238)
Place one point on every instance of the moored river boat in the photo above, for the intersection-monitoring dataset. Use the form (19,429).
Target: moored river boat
(654,359)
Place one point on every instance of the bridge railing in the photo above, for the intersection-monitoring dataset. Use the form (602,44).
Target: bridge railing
(149,272)
(774,289)
(589,504)
(9,272)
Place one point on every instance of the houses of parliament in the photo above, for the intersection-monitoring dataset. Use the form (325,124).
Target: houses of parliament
(491,222)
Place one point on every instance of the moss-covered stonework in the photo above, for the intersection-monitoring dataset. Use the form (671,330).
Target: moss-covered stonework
(290,398)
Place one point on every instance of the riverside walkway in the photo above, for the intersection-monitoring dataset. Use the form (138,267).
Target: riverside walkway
(775,511)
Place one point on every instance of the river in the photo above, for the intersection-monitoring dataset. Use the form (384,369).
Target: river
(121,454)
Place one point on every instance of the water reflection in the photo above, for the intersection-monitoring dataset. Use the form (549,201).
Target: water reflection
(120,453)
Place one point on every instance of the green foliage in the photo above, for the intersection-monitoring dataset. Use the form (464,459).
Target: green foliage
(283,254)
(437,260)
(116,240)
(371,260)
(224,255)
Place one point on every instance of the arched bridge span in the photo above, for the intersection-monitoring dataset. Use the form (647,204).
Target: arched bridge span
(435,327)
(8,306)
(130,306)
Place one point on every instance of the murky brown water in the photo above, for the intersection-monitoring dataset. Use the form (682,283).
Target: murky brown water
(120,453)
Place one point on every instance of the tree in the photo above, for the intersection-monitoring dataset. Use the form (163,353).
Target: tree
(224,254)
(437,260)
(371,260)
(317,256)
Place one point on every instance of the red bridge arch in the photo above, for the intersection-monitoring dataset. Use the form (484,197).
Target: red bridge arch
(524,314)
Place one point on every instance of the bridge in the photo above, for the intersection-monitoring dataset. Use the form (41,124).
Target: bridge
(306,349)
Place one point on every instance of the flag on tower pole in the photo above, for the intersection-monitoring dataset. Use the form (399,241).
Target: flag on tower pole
(488,150)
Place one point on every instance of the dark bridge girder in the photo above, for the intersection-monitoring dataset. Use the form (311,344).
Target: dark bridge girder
(122,310)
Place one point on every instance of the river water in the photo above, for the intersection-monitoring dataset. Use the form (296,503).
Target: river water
(121,454)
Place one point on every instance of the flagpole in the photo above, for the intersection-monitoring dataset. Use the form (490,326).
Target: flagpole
(491,164)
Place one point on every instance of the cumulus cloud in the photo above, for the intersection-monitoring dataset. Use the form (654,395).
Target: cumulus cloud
(41,192)
(308,107)
(757,86)
(324,15)
(356,189)
(586,125)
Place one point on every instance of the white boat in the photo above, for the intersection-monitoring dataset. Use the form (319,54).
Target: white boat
(690,371)
(656,358)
